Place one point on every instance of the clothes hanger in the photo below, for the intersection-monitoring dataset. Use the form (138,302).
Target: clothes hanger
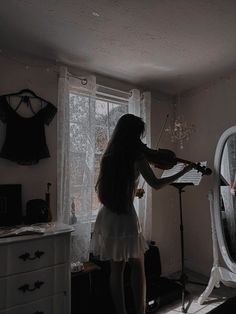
(26,98)
(26,91)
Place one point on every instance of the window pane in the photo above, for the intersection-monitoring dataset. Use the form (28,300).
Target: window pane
(106,116)
(101,139)
(76,169)
(78,138)
(115,112)
(101,113)
(79,109)
(81,199)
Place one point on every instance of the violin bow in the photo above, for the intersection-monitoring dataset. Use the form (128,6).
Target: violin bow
(162,130)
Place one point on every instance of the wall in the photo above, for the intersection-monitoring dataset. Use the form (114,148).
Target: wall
(212,110)
(14,77)
(165,226)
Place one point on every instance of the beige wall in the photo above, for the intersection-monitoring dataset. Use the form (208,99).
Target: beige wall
(165,225)
(14,77)
(212,109)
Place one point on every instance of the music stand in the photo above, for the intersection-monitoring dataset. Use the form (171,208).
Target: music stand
(191,178)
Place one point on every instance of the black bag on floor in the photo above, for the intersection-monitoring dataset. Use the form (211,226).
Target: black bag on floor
(160,290)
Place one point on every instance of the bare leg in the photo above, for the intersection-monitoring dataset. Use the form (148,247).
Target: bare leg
(117,286)
(138,283)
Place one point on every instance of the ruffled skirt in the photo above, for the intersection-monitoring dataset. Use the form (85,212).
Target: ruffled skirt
(117,237)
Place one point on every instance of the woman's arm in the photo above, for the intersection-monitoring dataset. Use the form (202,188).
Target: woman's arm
(149,176)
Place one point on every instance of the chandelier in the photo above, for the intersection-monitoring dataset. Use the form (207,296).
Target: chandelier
(179,130)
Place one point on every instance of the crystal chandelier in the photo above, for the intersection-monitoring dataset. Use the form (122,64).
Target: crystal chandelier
(179,130)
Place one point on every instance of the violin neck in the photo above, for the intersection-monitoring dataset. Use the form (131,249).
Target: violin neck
(198,167)
(184,161)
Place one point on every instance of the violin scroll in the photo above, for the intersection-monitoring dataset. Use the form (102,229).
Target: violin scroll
(203,169)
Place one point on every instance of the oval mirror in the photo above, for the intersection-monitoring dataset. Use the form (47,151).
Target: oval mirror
(224,196)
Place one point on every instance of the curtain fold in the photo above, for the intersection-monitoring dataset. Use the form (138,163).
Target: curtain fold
(140,105)
(75,158)
(63,140)
(82,160)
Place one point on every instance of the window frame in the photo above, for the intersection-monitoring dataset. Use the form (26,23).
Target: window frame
(111,97)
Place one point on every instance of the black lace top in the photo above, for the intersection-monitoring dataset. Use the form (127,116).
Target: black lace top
(25,141)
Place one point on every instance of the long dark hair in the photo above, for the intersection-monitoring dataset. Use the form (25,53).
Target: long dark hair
(116,180)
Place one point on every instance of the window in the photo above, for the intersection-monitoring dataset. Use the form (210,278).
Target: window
(97,117)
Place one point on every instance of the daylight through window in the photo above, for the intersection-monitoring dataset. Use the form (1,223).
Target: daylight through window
(91,125)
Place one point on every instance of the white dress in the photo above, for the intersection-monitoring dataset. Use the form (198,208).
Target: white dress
(119,237)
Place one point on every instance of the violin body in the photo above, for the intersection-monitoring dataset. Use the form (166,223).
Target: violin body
(160,158)
(166,159)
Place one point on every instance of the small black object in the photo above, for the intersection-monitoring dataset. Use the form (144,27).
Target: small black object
(10,205)
(36,211)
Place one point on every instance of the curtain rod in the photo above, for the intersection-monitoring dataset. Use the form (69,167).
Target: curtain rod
(111,96)
(83,80)
(115,90)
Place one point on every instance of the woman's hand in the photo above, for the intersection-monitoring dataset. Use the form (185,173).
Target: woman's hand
(140,192)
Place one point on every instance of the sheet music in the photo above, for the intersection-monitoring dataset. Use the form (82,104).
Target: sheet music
(193,176)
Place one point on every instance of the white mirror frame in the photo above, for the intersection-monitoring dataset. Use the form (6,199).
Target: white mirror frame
(217,217)
(219,274)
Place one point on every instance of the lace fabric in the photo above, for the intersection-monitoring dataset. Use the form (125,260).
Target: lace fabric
(76,159)
(117,236)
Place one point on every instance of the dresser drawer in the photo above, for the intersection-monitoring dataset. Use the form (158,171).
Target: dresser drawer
(52,305)
(33,254)
(28,287)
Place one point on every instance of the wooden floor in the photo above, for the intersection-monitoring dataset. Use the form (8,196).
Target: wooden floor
(218,296)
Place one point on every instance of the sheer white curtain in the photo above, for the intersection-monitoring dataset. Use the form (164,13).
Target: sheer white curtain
(76,147)
(63,140)
(140,105)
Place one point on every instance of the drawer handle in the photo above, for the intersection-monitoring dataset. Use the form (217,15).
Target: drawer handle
(38,312)
(26,287)
(26,256)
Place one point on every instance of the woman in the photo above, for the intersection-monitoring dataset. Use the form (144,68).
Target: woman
(117,235)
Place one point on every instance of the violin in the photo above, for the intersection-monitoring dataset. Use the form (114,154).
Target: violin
(166,159)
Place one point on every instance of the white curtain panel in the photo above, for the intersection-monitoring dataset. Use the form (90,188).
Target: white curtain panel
(82,161)
(76,152)
(140,105)
(63,139)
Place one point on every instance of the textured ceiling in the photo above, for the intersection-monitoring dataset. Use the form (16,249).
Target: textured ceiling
(169,45)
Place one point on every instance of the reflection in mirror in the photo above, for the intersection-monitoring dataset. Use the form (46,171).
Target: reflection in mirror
(228,195)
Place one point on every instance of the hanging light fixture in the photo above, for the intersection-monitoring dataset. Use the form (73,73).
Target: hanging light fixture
(178,129)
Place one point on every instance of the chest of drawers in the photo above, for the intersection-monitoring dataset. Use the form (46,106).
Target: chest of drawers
(35,272)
